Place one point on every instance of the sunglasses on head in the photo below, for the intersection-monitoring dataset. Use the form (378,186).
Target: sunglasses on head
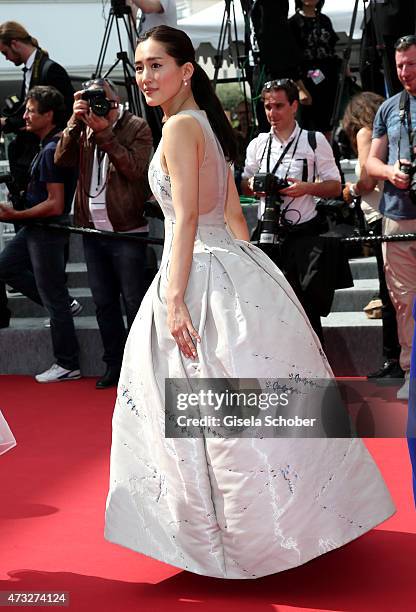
(410,39)
(278,83)
(99,82)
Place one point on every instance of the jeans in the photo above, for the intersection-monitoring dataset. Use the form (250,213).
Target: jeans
(115,266)
(4,311)
(33,263)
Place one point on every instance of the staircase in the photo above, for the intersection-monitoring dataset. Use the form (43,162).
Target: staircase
(353,342)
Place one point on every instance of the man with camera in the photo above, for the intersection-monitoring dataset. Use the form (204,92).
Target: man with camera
(112,148)
(22,49)
(282,166)
(34,261)
(392,158)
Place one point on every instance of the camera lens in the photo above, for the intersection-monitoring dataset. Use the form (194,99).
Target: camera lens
(100,107)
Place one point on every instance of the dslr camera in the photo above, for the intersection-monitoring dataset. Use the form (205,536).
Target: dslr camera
(270,228)
(410,170)
(12,104)
(99,104)
(265,182)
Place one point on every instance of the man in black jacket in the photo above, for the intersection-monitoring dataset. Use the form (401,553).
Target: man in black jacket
(20,48)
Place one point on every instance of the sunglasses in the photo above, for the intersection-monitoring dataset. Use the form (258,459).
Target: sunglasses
(410,39)
(99,83)
(278,83)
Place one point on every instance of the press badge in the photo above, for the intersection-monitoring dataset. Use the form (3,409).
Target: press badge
(316,75)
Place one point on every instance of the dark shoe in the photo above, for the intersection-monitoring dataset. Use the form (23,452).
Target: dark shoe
(110,378)
(390,369)
(5,319)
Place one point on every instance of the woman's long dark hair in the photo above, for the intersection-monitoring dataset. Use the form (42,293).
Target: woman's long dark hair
(179,46)
(360,112)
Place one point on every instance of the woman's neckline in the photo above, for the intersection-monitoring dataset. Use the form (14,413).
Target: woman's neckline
(192,110)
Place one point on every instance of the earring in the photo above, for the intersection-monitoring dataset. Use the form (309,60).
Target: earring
(185,83)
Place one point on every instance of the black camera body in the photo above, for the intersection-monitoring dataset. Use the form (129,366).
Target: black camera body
(265,182)
(12,105)
(410,169)
(270,230)
(98,101)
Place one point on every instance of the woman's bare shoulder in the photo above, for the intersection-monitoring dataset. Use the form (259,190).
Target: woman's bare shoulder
(182,125)
(364,135)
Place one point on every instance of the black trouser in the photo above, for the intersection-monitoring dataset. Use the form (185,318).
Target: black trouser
(115,266)
(4,311)
(296,259)
(33,263)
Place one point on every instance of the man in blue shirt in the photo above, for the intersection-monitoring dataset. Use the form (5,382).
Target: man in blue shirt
(33,262)
(390,151)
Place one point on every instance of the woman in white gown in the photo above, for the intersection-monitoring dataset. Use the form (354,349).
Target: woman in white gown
(218,307)
(7,440)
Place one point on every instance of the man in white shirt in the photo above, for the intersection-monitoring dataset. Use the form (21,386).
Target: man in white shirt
(308,165)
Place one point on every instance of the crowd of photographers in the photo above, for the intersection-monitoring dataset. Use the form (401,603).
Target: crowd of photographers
(100,154)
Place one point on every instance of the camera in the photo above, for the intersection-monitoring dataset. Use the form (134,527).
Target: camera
(98,101)
(265,182)
(410,169)
(12,104)
(271,185)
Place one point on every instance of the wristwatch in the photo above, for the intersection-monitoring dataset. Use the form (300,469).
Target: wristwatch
(353,191)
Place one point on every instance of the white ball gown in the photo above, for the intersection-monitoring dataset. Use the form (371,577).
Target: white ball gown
(228,508)
(7,440)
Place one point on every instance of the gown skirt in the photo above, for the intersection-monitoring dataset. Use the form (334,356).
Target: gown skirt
(7,440)
(239,507)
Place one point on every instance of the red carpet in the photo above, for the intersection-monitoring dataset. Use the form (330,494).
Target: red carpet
(53,488)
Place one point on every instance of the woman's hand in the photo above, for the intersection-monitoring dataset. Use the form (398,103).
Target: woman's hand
(346,194)
(181,328)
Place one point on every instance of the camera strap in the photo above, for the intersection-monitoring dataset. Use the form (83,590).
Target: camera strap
(405,118)
(268,147)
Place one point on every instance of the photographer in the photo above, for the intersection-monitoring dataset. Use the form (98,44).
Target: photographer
(112,148)
(392,159)
(22,49)
(34,261)
(286,152)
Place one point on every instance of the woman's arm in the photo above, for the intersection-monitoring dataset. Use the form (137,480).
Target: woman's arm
(183,168)
(365,184)
(233,212)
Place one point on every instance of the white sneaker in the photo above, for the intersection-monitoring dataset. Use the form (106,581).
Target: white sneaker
(403,392)
(57,374)
(76,309)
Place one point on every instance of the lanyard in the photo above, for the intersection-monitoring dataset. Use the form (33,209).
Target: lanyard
(100,158)
(285,150)
(404,113)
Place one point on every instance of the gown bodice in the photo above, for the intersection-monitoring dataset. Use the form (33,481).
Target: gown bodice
(213,175)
